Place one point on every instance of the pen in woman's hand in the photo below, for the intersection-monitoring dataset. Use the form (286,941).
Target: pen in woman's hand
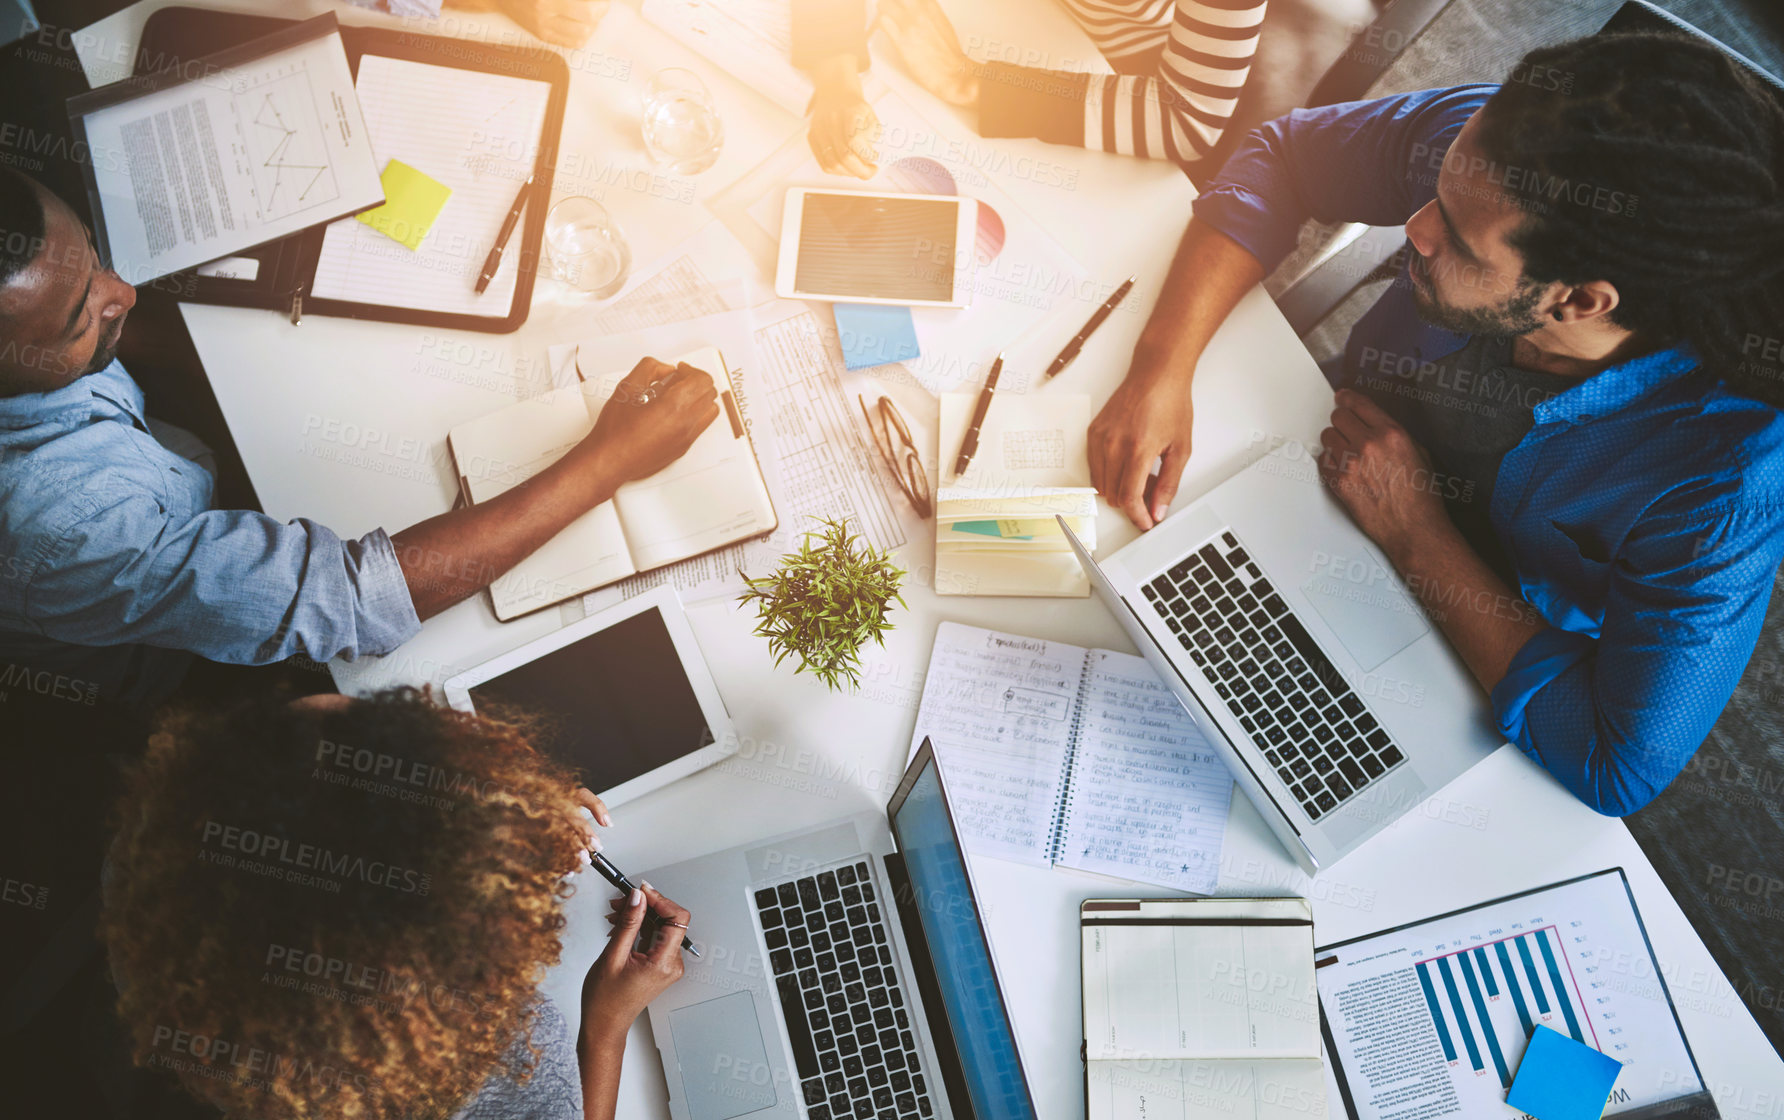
(615,876)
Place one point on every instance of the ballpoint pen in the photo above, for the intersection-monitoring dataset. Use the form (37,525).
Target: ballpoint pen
(613,875)
(1096,320)
(970,444)
(494,260)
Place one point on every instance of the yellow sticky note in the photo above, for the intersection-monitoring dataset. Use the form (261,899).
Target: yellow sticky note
(411,203)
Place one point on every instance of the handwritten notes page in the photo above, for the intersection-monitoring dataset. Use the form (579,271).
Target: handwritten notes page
(998,709)
(1082,758)
(1150,796)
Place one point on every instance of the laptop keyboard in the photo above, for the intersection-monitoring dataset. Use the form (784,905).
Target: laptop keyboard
(1309,723)
(840,999)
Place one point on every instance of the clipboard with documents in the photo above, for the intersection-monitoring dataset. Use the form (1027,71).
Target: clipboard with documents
(474,118)
(216,154)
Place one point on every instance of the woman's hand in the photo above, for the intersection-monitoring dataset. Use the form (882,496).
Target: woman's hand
(630,972)
(931,49)
(844,128)
(590,811)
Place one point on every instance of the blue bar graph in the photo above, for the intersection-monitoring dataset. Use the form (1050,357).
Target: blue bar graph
(1467,1021)
(1542,1001)
(1480,1010)
(1486,974)
(1548,957)
(1443,1034)
(1449,983)
(1517,989)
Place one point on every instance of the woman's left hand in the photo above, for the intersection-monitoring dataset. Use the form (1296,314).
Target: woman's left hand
(593,806)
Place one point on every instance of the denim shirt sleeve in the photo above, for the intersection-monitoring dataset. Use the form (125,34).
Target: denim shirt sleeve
(1374,162)
(421,9)
(1616,717)
(233,586)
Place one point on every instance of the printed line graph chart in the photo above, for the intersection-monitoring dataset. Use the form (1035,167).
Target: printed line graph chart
(286,150)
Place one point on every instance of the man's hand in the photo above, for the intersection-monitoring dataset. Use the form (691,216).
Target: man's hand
(642,430)
(631,972)
(1383,478)
(844,129)
(1149,415)
(931,49)
(568,23)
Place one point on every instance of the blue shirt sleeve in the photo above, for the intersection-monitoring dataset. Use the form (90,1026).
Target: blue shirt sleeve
(1617,716)
(233,586)
(1374,162)
(419,9)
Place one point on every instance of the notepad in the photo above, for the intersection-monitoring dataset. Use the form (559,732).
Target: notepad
(411,203)
(996,531)
(1200,1007)
(714,495)
(475,133)
(873,334)
(1080,758)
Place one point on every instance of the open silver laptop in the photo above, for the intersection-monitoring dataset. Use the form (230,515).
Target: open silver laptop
(1300,654)
(845,973)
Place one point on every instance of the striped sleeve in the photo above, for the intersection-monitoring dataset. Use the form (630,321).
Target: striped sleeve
(1178,113)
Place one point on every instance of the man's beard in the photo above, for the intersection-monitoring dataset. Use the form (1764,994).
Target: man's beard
(1513,316)
(107,350)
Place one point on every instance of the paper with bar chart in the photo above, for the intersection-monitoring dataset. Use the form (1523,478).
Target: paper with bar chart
(1431,1019)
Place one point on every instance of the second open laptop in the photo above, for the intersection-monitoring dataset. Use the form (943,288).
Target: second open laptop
(1300,654)
(847,973)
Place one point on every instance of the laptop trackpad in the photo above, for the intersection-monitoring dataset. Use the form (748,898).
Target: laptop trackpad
(1365,606)
(724,1067)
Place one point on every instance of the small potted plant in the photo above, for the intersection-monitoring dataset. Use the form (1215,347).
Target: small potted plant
(824,601)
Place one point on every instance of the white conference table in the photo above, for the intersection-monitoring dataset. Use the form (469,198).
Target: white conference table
(807,755)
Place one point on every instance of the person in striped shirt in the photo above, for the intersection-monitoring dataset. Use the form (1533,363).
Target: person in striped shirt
(1185,61)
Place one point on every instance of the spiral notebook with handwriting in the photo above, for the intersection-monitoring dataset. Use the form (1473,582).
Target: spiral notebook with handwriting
(1080,758)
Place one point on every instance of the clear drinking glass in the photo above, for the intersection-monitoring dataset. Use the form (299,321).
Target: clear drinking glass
(682,130)
(588,251)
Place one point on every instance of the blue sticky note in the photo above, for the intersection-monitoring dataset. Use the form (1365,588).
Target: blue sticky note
(1560,1079)
(873,334)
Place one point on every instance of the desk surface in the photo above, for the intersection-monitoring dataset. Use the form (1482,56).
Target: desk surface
(808,755)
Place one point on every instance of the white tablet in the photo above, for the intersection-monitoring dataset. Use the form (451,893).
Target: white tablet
(859,247)
(625,695)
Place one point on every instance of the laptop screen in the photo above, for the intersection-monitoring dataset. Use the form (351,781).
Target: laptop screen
(983,1039)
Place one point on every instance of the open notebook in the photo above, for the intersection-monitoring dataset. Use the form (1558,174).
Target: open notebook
(714,495)
(1200,1008)
(1081,758)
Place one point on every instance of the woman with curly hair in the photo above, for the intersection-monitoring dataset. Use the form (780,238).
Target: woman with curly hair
(344,908)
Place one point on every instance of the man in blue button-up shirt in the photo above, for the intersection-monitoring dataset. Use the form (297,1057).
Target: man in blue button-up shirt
(113,565)
(1579,338)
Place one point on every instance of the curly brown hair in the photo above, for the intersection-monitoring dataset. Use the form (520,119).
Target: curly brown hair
(343,911)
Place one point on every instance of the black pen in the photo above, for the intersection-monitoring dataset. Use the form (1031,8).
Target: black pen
(1096,320)
(615,876)
(494,260)
(971,443)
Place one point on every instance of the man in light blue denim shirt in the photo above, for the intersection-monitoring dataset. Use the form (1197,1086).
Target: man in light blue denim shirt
(1584,338)
(113,565)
